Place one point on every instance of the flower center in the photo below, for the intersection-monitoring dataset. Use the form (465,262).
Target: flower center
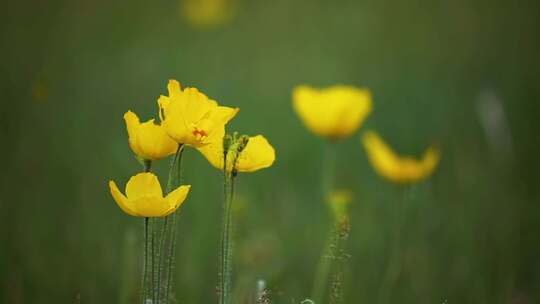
(199,134)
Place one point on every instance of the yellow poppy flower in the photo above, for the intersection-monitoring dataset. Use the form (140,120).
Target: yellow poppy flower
(398,169)
(148,140)
(206,14)
(144,196)
(333,112)
(190,117)
(258,154)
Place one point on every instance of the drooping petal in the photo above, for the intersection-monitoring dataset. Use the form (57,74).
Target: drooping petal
(398,169)
(121,200)
(257,154)
(143,184)
(177,197)
(151,206)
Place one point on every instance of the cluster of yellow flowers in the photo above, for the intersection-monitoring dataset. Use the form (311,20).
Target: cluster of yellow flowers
(338,111)
(188,118)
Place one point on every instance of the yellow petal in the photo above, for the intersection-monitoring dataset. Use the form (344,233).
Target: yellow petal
(213,150)
(398,169)
(215,121)
(174,88)
(163,104)
(430,160)
(151,206)
(258,154)
(333,112)
(120,199)
(132,126)
(153,141)
(142,185)
(197,105)
(177,197)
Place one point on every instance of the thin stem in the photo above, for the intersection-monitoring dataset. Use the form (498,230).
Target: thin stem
(323,268)
(226,237)
(145,263)
(153,233)
(163,264)
(172,247)
(393,269)
(225,267)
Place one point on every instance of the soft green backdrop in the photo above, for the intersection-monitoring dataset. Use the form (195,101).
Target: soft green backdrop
(70,69)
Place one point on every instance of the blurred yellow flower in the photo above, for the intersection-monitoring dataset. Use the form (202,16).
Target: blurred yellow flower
(258,154)
(208,13)
(144,196)
(190,117)
(148,140)
(339,201)
(333,112)
(398,169)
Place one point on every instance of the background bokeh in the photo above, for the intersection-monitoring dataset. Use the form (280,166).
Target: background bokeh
(463,74)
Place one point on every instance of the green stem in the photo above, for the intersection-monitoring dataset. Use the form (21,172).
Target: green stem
(147,165)
(153,235)
(325,262)
(226,250)
(393,269)
(172,247)
(145,263)
(164,264)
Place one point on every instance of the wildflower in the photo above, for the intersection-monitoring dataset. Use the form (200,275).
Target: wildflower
(206,14)
(333,112)
(190,117)
(398,169)
(257,154)
(339,201)
(148,140)
(144,196)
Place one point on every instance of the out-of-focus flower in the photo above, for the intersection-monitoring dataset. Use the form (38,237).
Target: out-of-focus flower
(398,169)
(333,112)
(190,117)
(206,14)
(40,91)
(144,196)
(148,140)
(257,154)
(339,201)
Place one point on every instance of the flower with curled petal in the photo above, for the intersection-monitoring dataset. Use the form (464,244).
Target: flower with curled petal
(396,168)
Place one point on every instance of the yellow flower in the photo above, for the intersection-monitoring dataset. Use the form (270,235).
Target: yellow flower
(333,112)
(258,154)
(148,140)
(339,201)
(191,118)
(145,197)
(205,14)
(398,169)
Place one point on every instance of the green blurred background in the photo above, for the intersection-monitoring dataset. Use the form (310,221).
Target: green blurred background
(462,74)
